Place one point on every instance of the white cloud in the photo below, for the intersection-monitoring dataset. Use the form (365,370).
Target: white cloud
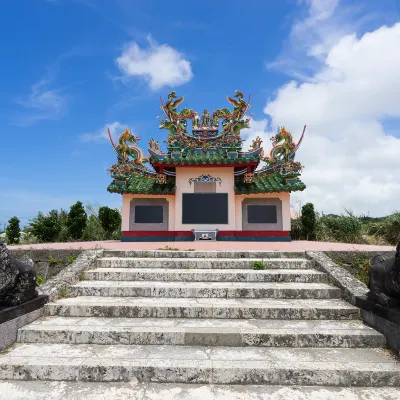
(43,103)
(350,161)
(116,128)
(159,65)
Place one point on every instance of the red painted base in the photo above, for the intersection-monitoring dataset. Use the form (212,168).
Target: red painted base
(179,236)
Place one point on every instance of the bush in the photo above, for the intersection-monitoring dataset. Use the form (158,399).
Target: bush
(76,221)
(46,227)
(390,228)
(110,220)
(296,229)
(13,231)
(341,228)
(308,221)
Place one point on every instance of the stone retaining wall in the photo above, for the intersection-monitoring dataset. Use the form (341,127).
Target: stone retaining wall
(48,263)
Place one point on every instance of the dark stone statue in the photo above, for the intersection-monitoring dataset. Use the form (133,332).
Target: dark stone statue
(384,280)
(17,280)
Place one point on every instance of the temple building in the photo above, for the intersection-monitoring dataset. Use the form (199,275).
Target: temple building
(205,186)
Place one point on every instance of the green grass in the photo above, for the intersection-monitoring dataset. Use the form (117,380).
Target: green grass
(258,265)
(40,280)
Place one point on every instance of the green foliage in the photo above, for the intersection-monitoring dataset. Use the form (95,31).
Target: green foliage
(46,227)
(296,231)
(390,229)
(110,220)
(53,261)
(257,265)
(362,270)
(76,220)
(71,259)
(93,230)
(40,280)
(308,221)
(341,228)
(13,231)
(188,267)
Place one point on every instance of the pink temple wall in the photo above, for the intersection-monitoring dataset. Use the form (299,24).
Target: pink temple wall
(284,197)
(183,174)
(126,201)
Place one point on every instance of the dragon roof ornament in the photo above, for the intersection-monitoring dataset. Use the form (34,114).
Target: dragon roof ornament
(212,135)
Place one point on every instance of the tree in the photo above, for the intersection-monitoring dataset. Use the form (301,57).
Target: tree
(110,220)
(308,221)
(76,221)
(46,227)
(13,231)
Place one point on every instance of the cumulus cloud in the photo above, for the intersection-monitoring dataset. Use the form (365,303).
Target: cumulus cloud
(159,65)
(351,162)
(116,128)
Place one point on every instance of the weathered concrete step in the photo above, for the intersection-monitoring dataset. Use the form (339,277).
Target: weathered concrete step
(24,390)
(140,307)
(203,263)
(206,275)
(199,364)
(203,254)
(203,332)
(227,290)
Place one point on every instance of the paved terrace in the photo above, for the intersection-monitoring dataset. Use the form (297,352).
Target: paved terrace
(300,245)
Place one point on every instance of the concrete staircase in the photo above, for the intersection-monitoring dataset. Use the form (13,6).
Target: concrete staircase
(196,317)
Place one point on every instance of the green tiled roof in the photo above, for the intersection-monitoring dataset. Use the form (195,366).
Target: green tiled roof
(267,184)
(140,184)
(207,158)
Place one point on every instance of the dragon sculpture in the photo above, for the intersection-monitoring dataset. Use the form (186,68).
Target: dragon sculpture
(170,108)
(240,108)
(284,148)
(124,150)
(236,126)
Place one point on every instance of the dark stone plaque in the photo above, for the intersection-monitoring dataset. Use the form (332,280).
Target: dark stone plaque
(149,215)
(205,208)
(261,214)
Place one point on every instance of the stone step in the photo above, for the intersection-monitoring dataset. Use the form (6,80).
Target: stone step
(140,307)
(203,254)
(226,290)
(200,364)
(203,263)
(24,390)
(206,275)
(201,332)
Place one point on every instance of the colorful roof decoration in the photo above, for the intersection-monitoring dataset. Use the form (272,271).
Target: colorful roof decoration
(214,139)
(268,184)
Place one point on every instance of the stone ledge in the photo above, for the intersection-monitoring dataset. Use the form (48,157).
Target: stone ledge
(55,287)
(8,313)
(351,286)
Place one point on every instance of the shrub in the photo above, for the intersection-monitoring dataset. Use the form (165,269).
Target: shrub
(110,220)
(308,221)
(390,228)
(296,230)
(46,227)
(257,265)
(76,221)
(13,231)
(341,228)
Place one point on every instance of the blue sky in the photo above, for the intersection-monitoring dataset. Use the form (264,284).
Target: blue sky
(72,67)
